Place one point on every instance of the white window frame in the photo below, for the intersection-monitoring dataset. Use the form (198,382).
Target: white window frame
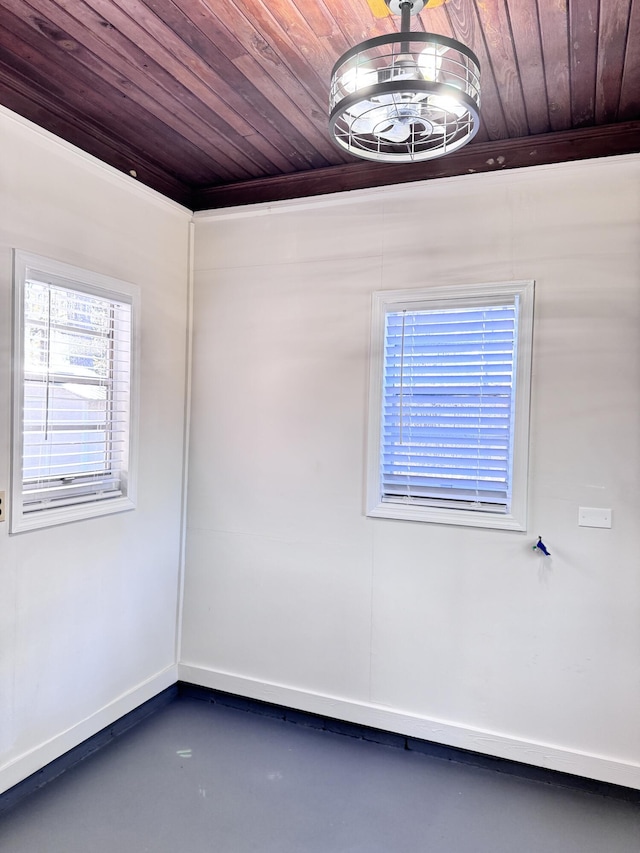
(28,267)
(451,296)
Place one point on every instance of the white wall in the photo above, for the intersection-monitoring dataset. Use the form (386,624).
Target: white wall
(88,610)
(459,635)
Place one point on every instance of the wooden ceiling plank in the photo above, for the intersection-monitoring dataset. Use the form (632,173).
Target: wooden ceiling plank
(560,147)
(189,79)
(437,21)
(294,75)
(318,20)
(465,27)
(554,32)
(356,21)
(317,52)
(252,54)
(203,34)
(181,111)
(247,45)
(39,106)
(156,71)
(257,142)
(314,124)
(89,95)
(204,19)
(248,95)
(325,24)
(527,40)
(135,31)
(149,83)
(629,106)
(269,37)
(252,21)
(496,30)
(200,76)
(297,78)
(583,55)
(612,43)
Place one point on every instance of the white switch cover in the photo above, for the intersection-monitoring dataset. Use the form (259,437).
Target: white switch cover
(593,516)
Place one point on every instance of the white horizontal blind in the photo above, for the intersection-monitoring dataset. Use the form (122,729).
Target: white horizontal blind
(448,406)
(76,395)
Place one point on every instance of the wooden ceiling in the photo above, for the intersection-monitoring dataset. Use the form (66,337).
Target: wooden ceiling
(217,103)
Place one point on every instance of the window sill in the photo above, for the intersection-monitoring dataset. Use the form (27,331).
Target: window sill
(23,521)
(445,515)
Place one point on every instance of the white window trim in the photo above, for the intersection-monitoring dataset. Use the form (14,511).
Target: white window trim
(27,265)
(439,297)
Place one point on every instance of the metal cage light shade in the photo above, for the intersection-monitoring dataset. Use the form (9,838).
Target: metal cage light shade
(405,97)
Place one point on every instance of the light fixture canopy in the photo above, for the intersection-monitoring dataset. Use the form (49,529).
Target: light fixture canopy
(405,97)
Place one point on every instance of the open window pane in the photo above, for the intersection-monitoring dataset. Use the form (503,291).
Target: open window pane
(72,428)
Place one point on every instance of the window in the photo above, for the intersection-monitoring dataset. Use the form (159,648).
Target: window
(449,404)
(74,361)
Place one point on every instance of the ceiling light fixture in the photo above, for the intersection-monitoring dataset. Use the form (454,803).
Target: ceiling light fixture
(405,97)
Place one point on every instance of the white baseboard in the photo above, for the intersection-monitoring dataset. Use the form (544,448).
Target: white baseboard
(589,766)
(29,762)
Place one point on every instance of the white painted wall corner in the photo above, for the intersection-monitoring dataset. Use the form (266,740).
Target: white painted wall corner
(601,768)
(29,762)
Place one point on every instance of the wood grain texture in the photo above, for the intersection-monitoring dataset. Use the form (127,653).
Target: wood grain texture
(612,43)
(88,96)
(131,73)
(584,18)
(553,17)
(206,77)
(629,106)
(498,42)
(205,95)
(255,60)
(527,42)
(258,91)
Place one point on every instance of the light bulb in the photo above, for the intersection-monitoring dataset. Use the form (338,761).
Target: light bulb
(358,77)
(430,62)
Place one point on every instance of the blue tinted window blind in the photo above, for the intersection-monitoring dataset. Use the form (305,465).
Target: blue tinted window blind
(448,406)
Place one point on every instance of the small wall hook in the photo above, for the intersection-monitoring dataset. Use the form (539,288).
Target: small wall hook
(540,546)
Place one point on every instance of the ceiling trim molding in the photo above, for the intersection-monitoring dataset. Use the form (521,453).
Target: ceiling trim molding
(369,194)
(500,155)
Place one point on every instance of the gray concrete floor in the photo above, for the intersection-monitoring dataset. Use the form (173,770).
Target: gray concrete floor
(206,778)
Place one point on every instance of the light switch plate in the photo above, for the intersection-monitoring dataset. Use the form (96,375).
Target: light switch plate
(3,501)
(593,516)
